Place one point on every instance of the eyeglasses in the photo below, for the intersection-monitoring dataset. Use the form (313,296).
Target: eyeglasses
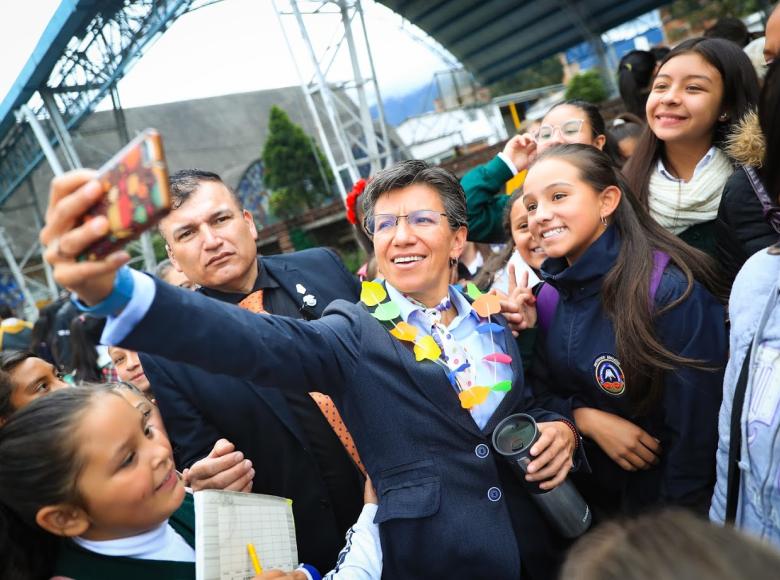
(384,223)
(568,130)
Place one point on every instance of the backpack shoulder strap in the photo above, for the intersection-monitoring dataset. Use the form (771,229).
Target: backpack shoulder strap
(546,303)
(548,297)
(660,262)
(735,439)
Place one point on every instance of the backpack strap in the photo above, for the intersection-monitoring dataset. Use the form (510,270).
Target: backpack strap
(546,303)
(660,262)
(735,439)
(548,297)
(771,210)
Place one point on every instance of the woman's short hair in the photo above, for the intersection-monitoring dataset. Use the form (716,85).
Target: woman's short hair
(413,172)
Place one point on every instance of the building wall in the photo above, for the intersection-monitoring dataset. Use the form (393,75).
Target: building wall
(224,134)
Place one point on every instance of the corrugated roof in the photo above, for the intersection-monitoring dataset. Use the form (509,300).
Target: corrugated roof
(495,39)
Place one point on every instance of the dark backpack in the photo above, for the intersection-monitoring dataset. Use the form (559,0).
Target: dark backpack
(547,299)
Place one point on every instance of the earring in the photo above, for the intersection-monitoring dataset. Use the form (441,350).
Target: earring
(453,261)
(604,220)
(723,118)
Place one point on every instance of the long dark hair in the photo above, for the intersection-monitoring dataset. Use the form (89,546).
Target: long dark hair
(625,293)
(85,334)
(40,341)
(634,73)
(769,118)
(740,95)
(39,466)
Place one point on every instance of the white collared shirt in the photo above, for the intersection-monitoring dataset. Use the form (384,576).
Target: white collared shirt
(160,543)
(661,168)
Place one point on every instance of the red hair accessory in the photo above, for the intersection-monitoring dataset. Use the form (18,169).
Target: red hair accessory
(351,201)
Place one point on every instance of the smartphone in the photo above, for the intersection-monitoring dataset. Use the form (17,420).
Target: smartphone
(135,182)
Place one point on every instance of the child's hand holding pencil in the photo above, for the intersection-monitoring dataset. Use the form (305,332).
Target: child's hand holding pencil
(271,574)
(279,575)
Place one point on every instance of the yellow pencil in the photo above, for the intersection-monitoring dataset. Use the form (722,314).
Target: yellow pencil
(255,560)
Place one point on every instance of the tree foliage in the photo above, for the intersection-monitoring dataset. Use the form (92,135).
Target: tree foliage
(587,86)
(296,171)
(158,245)
(542,74)
(696,11)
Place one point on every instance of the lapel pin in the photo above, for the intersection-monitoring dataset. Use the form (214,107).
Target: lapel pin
(300,289)
(309,300)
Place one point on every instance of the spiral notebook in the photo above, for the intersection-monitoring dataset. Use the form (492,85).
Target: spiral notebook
(226,521)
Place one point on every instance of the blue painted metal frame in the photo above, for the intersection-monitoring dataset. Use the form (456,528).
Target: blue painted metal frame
(116,31)
(70,17)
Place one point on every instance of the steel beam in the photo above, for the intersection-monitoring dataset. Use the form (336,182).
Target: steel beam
(97,56)
(362,142)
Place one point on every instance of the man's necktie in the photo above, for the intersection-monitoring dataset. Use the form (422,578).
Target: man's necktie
(254,303)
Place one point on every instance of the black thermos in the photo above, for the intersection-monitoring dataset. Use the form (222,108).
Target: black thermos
(564,506)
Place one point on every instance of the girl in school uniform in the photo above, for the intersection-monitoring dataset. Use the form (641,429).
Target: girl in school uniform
(637,358)
(88,490)
(572,121)
(678,170)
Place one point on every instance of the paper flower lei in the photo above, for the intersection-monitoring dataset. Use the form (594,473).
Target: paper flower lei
(425,347)
(351,201)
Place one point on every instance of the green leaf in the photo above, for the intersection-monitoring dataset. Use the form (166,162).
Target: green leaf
(473,291)
(503,386)
(386,311)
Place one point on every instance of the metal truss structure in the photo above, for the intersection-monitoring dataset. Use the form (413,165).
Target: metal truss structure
(88,46)
(361,146)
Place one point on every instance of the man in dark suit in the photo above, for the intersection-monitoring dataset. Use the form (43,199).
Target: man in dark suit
(287,440)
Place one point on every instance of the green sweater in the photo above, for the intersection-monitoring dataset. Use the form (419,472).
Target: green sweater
(75,562)
(485,201)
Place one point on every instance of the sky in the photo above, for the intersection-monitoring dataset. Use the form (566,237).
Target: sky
(235,46)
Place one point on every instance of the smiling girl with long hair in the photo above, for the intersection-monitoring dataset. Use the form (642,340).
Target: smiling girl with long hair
(634,347)
(678,170)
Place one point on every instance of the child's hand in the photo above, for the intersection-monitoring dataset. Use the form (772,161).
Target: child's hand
(519,306)
(279,575)
(627,444)
(223,468)
(521,150)
(369,493)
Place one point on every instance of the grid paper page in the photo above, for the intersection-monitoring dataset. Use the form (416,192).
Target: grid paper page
(226,521)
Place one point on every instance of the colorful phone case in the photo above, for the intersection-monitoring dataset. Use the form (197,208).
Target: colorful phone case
(137,197)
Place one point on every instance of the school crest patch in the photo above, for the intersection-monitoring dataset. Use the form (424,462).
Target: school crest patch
(609,375)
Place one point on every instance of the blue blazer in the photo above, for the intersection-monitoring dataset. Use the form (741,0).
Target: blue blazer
(199,407)
(448,506)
